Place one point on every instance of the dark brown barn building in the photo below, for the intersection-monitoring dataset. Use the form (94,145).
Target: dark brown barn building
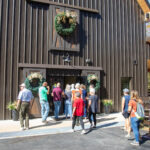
(110,34)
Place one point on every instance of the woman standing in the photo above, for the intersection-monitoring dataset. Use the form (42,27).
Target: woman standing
(92,106)
(68,102)
(135,122)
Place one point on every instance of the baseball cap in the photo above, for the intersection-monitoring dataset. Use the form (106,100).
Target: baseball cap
(22,85)
(126,90)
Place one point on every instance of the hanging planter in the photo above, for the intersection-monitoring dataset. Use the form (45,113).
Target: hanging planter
(65,23)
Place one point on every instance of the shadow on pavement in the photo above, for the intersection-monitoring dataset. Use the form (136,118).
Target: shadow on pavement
(98,120)
(46,125)
(101,126)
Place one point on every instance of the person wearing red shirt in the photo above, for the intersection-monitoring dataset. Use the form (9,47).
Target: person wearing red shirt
(78,111)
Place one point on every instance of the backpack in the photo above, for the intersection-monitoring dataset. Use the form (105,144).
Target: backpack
(140,112)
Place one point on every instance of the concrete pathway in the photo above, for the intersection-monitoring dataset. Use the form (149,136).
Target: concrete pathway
(11,129)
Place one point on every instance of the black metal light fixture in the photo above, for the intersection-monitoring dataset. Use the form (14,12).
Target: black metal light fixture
(67,58)
(88,61)
(134,62)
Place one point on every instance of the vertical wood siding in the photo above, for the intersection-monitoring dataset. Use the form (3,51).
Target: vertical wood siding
(112,39)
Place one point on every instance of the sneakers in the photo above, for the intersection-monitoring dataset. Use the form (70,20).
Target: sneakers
(27,128)
(94,126)
(135,143)
(44,121)
(83,132)
(91,126)
(128,136)
(22,128)
(72,130)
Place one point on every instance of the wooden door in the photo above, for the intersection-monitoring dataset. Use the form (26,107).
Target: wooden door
(35,110)
(58,42)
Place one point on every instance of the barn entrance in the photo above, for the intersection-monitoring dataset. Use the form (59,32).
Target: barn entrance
(64,77)
(52,76)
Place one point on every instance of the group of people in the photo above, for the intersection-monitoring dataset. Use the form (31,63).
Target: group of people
(129,109)
(78,103)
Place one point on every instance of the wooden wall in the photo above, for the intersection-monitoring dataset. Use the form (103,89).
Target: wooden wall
(112,39)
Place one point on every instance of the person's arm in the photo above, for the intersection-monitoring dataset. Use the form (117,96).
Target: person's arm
(74,109)
(123,103)
(130,107)
(19,100)
(48,90)
(89,104)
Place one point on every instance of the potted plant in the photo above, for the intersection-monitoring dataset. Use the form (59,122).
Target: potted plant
(107,105)
(12,107)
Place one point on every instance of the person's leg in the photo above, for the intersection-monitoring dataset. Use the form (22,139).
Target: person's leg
(46,106)
(94,118)
(21,115)
(74,121)
(128,126)
(59,105)
(27,115)
(66,109)
(134,124)
(56,110)
(70,110)
(90,120)
(81,122)
(42,110)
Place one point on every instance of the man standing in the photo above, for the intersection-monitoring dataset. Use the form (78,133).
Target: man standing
(24,98)
(78,111)
(43,91)
(57,95)
(125,102)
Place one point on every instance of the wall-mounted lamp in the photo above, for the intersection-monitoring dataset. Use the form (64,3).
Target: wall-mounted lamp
(134,62)
(67,58)
(88,61)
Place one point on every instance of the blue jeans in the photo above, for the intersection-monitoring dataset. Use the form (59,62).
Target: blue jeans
(44,110)
(135,127)
(68,108)
(57,105)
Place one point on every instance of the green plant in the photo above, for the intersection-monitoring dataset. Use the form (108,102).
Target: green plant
(107,102)
(12,106)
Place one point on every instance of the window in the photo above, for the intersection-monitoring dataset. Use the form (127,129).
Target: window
(148,2)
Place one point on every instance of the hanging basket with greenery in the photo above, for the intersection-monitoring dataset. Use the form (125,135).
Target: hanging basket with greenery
(93,79)
(65,23)
(34,81)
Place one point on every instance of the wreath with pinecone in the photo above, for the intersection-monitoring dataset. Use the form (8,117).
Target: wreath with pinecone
(65,23)
(34,81)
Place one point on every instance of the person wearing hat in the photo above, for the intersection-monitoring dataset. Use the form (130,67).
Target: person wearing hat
(24,98)
(125,102)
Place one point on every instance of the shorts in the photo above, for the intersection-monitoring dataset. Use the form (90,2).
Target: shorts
(126,115)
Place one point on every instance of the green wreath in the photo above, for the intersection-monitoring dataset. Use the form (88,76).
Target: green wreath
(93,79)
(65,23)
(33,82)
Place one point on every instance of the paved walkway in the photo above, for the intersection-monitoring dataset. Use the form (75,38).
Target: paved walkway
(11,129)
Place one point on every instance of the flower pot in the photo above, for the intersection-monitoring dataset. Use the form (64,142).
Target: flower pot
(15,115)
(107,109)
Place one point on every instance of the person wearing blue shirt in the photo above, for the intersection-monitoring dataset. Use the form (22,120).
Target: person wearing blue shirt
(24,98)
